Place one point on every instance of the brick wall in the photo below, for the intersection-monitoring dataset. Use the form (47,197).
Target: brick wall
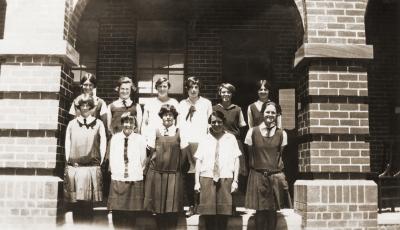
(73,14)
(116,50)
(28,201)
(205,25)
(334,21)
(337,204)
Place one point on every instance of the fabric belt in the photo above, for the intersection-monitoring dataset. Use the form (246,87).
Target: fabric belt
(267,172)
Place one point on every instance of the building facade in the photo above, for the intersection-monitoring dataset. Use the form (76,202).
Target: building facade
(334,65)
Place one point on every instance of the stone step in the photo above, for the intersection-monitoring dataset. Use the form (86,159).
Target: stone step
(287,220)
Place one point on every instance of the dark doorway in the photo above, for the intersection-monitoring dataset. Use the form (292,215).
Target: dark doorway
(246,58)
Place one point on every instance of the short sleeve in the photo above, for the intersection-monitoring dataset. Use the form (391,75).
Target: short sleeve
(151,138)
(199,154)
(72,110)
(284,138)
(236,148)
(242,122)
(248,140)
(183,142)
(103,107)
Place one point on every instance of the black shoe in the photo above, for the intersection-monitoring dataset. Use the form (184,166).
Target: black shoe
(191,211)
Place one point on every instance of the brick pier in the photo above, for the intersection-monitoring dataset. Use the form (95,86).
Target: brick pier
(334,155)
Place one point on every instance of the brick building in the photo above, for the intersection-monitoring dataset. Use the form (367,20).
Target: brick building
(334,65)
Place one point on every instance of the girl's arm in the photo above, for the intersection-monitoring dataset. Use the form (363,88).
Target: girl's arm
(197,176)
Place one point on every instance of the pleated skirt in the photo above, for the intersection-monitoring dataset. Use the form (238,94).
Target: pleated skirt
(163,192)
(126,195)
(215,198)
(83,184)
(267,193)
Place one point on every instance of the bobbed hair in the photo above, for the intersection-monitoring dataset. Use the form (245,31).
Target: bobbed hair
(167,108)
(127,117)
(125,79)
(277,107)
(162,80)
(231,88)
(218,114)
(264,83)
(88,77)
(191,81)
(86,101)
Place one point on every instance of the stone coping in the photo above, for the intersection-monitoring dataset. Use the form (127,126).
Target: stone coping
(58,48)
(36,178)
(322,182)
(332,51)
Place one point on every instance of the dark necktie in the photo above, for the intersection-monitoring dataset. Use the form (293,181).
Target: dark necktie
(166,132)
(192,109)
(84,122)
(216,172)
(263,107)
(126,157)
(124,103)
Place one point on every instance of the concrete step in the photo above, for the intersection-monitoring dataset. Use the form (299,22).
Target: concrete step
(287,220)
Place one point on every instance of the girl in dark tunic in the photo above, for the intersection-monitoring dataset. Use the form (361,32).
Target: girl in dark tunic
(234,120)
(122,105)
(85,146)
(164,182)
(255,110)
(267,186)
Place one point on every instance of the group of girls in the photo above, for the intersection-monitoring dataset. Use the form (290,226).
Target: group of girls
(173,150)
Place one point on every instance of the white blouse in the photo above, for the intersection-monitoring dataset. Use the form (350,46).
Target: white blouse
(136,157)
(228,153)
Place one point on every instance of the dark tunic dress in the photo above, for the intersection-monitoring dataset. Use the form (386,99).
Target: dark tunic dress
(164,182)
(257,116)
(116,113)
(266,192)
(232,125)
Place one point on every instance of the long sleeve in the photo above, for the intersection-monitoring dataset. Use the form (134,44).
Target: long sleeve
(68,142)
(103,142)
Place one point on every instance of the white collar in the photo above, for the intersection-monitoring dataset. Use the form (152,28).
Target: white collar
(264,130)
(231,106)
(191,103)
(128,101)
(171,131)
(89,119)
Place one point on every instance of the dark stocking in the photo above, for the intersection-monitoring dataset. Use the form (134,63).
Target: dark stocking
(82,212)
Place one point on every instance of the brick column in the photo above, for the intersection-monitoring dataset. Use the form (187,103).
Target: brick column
(334,155)
(35,81)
